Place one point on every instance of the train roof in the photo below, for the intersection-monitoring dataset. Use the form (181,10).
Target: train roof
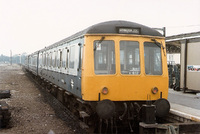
(112,27)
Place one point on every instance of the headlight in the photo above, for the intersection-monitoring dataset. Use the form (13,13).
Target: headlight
(154,90)
(104,91)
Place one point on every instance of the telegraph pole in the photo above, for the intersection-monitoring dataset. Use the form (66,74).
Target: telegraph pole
(20,59)
(10,57)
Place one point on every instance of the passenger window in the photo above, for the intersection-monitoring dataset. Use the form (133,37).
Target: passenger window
(104,57)
(47,59)
(40,60)
(64,58)
(55,61)
(58,59)
(153,61)
(129,57)
(50,59)
(43,59)
(72,57)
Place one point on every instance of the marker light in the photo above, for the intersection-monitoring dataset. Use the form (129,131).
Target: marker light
(105,90)
(154,90)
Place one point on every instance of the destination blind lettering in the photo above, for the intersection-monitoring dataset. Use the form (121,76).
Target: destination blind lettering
(129,31)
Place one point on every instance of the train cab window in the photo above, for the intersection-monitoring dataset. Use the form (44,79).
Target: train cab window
(153,62)
(104,57)
(129,57)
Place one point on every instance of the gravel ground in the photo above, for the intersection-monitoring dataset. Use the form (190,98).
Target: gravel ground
(30,108)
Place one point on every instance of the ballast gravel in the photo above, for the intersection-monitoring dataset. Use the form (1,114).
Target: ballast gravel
(33,111)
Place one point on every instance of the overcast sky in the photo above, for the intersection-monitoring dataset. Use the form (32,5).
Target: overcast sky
(30,25)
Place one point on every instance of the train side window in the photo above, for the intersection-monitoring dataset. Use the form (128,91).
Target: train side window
(63,58)
(55,60)
(47,59)
(129,57)
(104,57)
(73,60)
(44,59)
(153,59)
(50,59)
(33,59)
(40,60)
(60,58)
(72,57)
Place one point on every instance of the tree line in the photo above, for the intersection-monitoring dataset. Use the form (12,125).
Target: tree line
(15,59)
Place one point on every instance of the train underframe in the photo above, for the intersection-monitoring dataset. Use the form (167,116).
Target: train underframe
(128,117)
(106,116)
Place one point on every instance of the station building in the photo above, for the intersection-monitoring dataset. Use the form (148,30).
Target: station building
(188,46)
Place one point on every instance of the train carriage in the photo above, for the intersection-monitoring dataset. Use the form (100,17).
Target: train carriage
(112,68)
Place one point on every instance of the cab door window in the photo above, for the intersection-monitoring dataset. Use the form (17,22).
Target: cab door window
(104,57)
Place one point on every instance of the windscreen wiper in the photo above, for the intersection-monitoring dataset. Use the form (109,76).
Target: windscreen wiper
(102,38)
(159,45)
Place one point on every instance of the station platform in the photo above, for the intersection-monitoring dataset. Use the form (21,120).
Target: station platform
(186,105)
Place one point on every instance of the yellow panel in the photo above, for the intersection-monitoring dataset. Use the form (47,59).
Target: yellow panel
(121,87)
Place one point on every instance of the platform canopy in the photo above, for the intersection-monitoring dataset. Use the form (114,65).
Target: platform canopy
(173,43)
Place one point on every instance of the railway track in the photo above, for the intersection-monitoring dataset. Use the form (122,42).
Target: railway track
(60,110)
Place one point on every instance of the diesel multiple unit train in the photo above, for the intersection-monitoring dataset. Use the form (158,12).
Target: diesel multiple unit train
(111,74)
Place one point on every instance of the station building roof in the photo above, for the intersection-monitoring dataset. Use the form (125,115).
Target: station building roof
(173,43)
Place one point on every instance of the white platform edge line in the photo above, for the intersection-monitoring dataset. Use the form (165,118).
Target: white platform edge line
(185,115)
